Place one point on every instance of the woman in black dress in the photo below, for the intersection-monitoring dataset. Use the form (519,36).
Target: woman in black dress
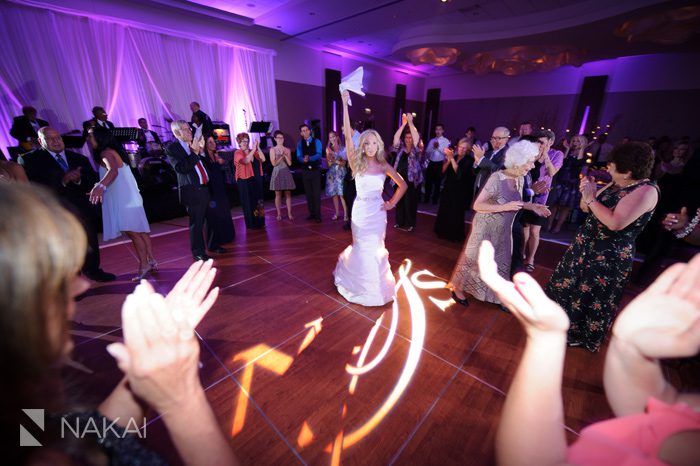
(409,164)
(220,228)
(457,193)
(589,280)
(565,195)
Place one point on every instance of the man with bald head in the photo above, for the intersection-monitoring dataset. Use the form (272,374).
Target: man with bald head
(487,162)
(191,165)
(71,177)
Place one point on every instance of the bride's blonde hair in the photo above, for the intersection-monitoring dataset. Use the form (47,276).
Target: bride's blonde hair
(359,163)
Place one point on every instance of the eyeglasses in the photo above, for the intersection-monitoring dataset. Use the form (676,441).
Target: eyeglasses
(499,137)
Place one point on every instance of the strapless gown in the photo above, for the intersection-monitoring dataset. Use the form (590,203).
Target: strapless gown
(363,274)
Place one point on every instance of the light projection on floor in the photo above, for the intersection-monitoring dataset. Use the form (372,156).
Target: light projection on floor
(278,362)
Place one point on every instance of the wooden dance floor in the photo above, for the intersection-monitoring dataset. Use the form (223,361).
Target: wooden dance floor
(296,375)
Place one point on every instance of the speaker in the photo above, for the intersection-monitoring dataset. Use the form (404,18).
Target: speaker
(432,109)
(332,105)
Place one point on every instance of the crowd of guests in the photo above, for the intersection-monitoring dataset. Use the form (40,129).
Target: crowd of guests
(514,185)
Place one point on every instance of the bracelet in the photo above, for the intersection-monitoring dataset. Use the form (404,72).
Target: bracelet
(588,204)
(680,234)
(100,185)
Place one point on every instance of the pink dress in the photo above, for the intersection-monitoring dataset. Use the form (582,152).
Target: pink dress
(633,440)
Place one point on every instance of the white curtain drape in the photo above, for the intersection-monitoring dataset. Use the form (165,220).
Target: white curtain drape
(64,65)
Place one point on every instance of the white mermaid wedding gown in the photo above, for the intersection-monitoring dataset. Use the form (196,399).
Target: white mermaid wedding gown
(363,274)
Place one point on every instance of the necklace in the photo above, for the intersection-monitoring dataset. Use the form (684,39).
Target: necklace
(634,183)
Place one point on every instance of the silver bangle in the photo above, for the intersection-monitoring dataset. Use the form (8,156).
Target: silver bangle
(680,234)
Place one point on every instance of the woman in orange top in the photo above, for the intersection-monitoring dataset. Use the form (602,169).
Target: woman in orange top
(248,190)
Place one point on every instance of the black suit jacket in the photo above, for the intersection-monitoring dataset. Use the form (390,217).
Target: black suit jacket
(42,168)
(184,166)
(22,128)
(489,164)
(87,124)
(156,138)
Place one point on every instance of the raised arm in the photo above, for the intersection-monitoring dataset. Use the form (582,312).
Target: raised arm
(347,128)
(397,135)
(160,357)
(412,128)
(531,430)
(643,335)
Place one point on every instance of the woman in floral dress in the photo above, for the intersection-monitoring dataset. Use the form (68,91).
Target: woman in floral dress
(337,160)
(589,280)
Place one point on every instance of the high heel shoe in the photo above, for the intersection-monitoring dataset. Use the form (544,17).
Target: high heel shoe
(153,264)
(142,274)
(459,300)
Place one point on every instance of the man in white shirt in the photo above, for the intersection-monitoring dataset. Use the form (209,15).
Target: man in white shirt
(435,153)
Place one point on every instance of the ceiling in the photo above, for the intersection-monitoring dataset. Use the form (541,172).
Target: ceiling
(449,37)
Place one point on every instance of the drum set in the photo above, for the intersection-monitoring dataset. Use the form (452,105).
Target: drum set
(147,159)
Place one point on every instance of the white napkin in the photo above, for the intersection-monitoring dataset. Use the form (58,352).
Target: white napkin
(353,83)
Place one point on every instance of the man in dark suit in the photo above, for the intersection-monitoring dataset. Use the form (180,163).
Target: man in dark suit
(202,119)
(99,119)
(192,169)
(309,152)
(485,163)
(148,135)
(71,177)
(25,128)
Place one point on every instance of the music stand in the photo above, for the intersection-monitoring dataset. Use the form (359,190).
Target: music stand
(127,134)
(260,127)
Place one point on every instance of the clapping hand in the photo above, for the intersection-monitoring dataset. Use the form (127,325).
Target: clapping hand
(539,315)
(404,119)
(677,221)
(539,186)
(449,153)
(664,320)
(160,353)
(197,145)
(436,145)
(478,152)
(588,188)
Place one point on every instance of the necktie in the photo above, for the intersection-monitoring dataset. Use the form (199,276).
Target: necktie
(201,170)
(61,161)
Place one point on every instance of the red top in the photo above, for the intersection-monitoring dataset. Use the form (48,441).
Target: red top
(244,170)
(632,440)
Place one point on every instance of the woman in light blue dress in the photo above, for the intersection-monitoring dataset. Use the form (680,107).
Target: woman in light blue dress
(337,161)
(122,205)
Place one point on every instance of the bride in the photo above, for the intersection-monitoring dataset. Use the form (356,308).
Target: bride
(363,274)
